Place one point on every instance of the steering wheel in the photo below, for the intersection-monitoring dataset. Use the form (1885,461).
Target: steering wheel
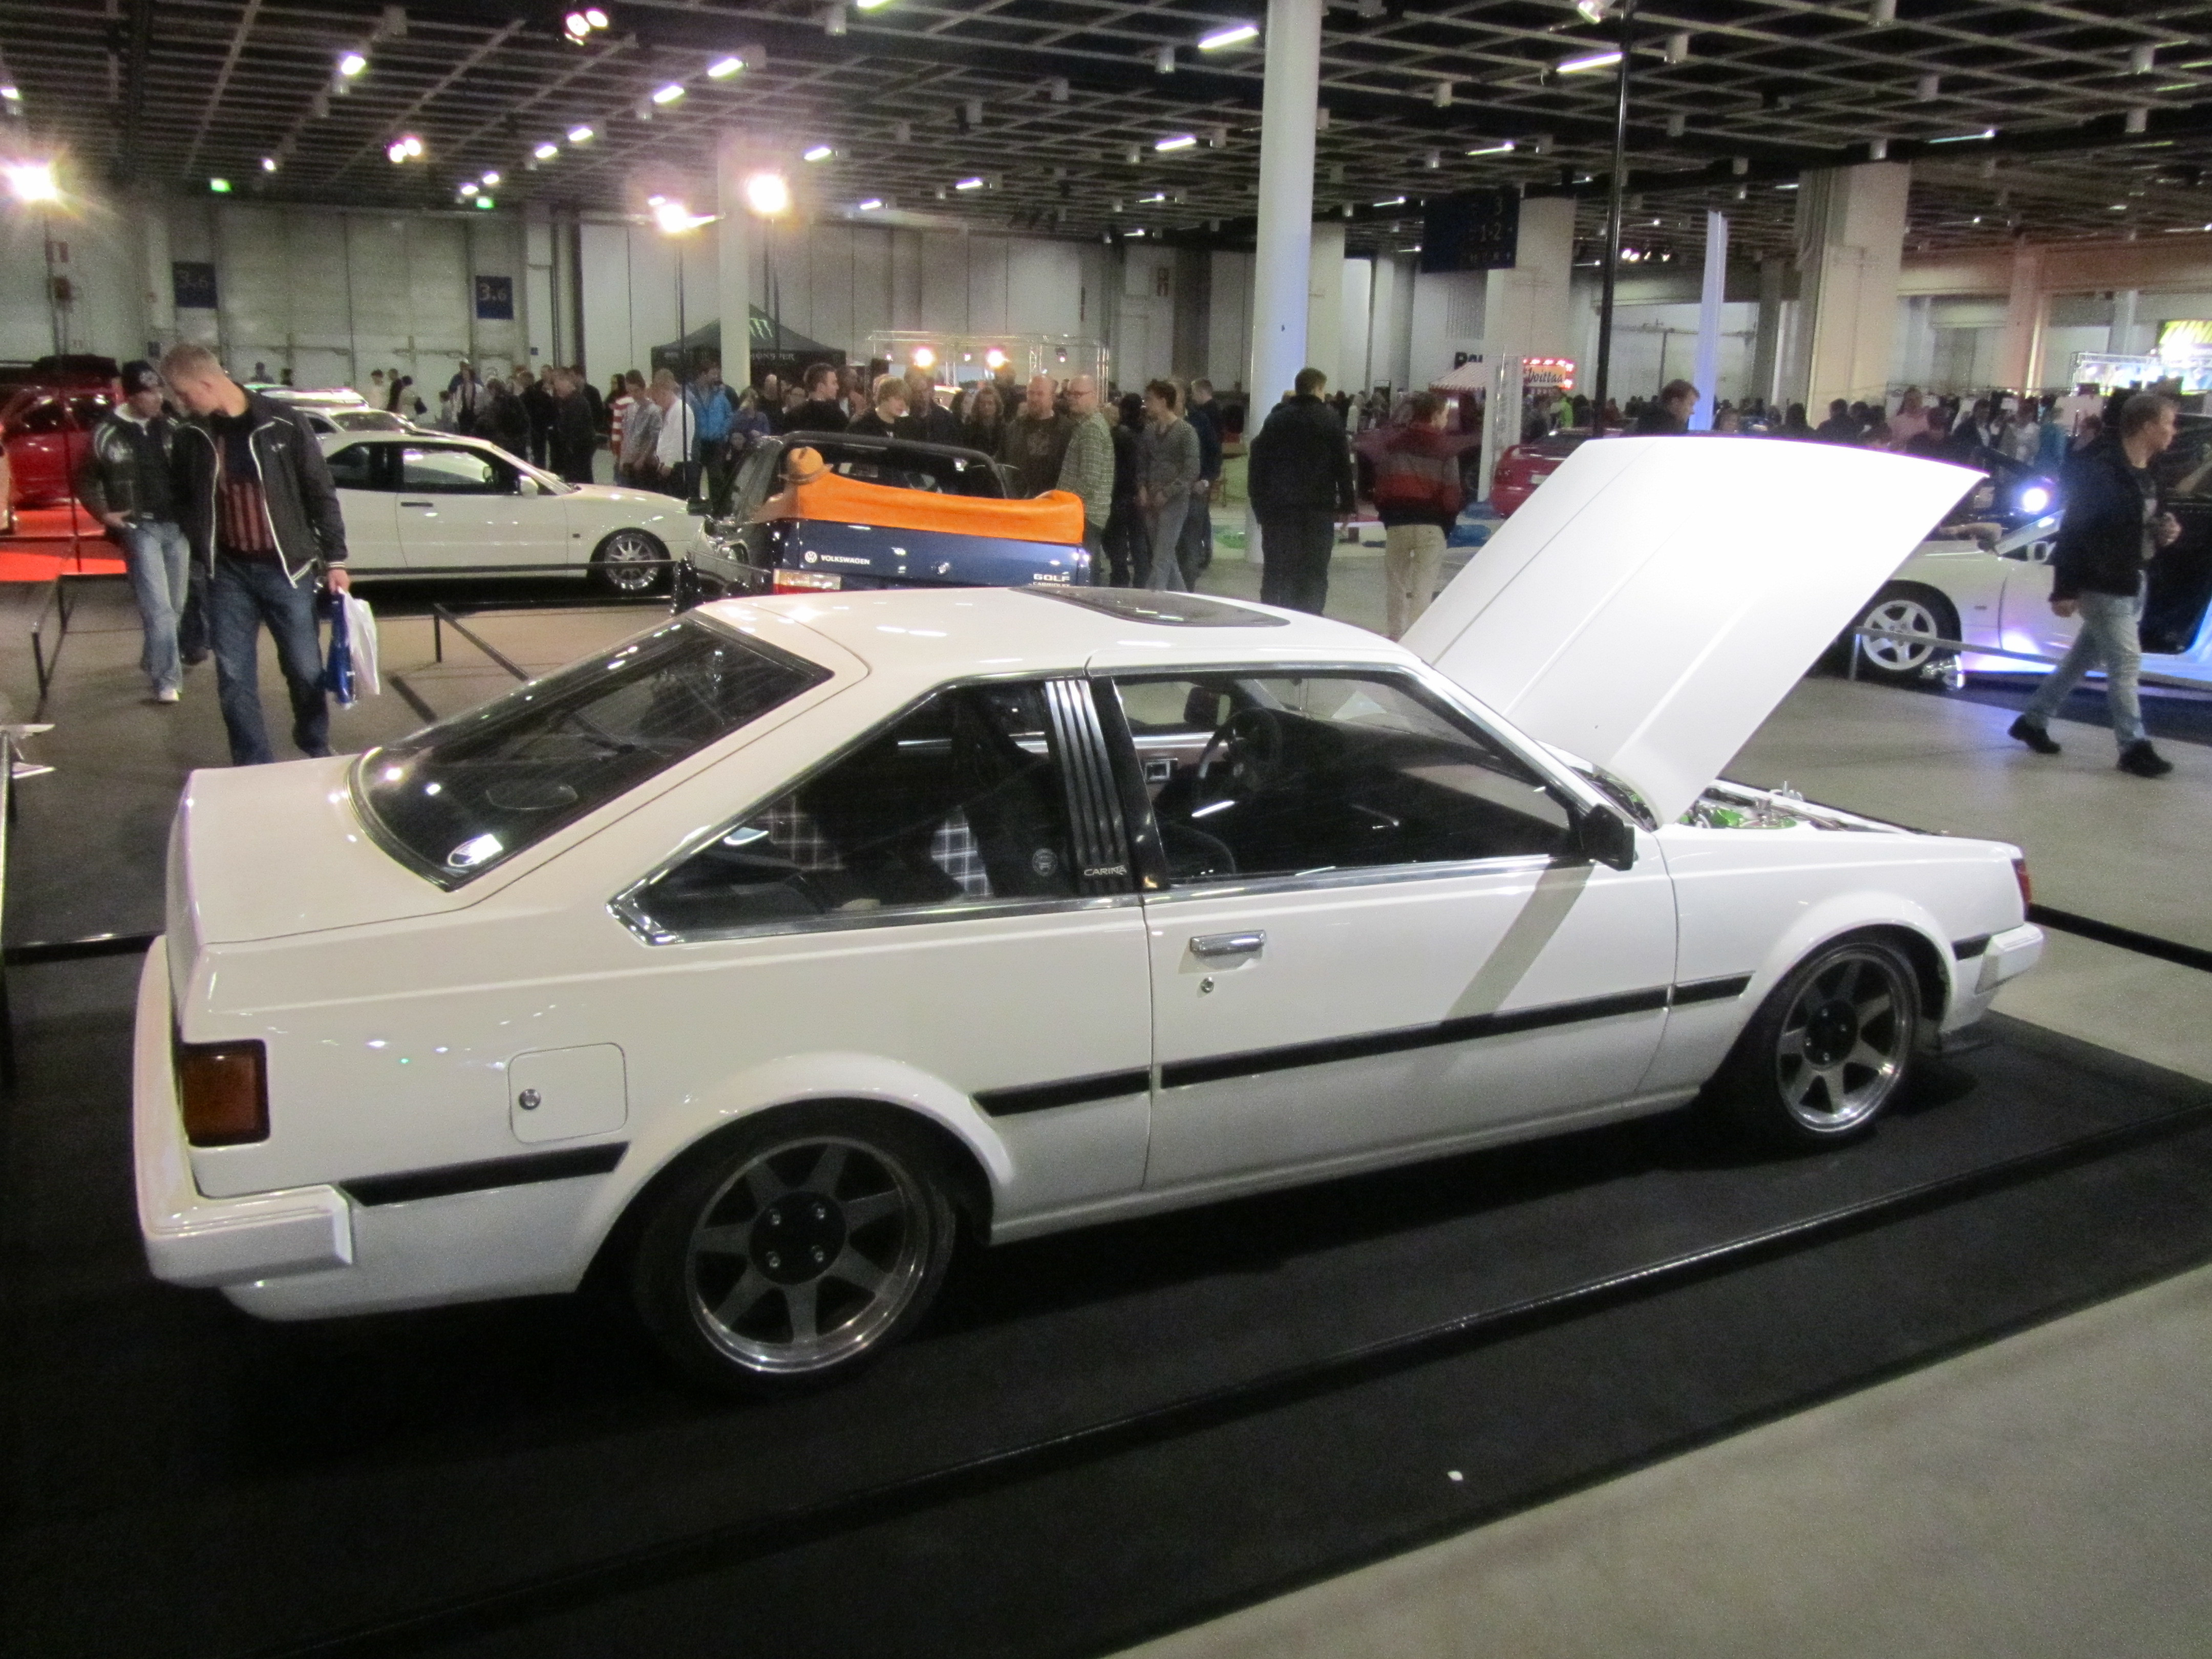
(1249,747)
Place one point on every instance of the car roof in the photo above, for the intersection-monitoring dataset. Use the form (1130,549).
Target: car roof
(330,440)
(918,637)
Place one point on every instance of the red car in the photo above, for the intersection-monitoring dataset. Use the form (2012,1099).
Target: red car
(45,430)
(1522,467)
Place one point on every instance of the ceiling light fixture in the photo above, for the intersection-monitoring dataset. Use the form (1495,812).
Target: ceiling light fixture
(1233,34)
(11,94)
(1389,201)
(1678,46)
(1503,147)
(1587,61)
(219,186)
(1593,11)
(768,194)
(33,182)
(967,183)
(546,152)
(1163,60)
(872,5)
(871,204)
(1180,141)
(818,153)
(350,63)
(1965,138)
(470,189)
(269,164)
(580,135)
(486,204)
(491,178)
(723,68)
(669,94)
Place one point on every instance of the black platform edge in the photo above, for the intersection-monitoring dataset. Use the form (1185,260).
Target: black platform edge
(2127,939)
(79,950)
(722,1547)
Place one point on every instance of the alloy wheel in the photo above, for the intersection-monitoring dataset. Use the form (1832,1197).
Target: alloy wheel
(807,1254)
(630,560)
(1845,1041)
(1901,614)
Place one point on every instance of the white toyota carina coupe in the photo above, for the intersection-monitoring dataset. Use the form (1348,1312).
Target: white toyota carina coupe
(432,505)
(749,960)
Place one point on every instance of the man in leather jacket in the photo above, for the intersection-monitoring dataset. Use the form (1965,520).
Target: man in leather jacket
(262,515)
(124,482)
(2115,524)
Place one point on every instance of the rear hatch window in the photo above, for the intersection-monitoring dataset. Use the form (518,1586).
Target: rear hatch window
(461,797)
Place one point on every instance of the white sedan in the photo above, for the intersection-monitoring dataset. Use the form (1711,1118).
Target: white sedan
(419,505)
(754,959)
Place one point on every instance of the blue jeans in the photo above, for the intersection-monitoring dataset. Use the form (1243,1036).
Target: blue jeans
(2108,636)
(1163,519)
(159,562)
(244,594)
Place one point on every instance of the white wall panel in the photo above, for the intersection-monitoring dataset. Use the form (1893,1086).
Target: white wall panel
(1229,321)
(944,297)
(1356,328)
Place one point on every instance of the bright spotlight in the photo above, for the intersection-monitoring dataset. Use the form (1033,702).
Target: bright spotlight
(723,68)
(351,64)
(669,94)
(491,178)
(1589,61)
(1235,35)
(818,153)
(595,17)
(994,359)
(672,216)
(546,152)
(33,182)
(768,195)
(924,357)
(1180,141)
(968,183)
(580,135)
(871,204)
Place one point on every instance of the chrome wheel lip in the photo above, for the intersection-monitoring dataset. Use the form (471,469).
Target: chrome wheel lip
(899,1274)
(1906,615)
(1858,1002)
(624,551)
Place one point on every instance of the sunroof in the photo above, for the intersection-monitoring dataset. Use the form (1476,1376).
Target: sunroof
(1143,604)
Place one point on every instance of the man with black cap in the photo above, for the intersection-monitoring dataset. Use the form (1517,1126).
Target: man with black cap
(123,482)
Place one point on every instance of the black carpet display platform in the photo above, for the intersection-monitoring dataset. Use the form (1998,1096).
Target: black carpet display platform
(1097,1437)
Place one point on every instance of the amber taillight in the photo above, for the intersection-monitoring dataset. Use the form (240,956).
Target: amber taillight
(223,1088)
(2026,887)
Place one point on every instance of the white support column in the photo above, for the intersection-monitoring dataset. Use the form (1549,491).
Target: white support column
(733,243)
(160,325)
(2122,338)
(1283,252)
(2019,362)
(1707,371)
(1850,243)
(1325,305)
(1525,313)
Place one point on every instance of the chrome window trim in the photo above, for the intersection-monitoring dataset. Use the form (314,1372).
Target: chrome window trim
(905,916)
(1378,875)
(625,905)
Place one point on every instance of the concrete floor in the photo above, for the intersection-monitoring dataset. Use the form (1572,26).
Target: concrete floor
(2051,1494)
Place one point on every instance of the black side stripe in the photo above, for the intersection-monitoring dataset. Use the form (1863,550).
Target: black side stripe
(483,1177)
(1713,990)
(1072,1091)
(1966,948)
(1184,1072)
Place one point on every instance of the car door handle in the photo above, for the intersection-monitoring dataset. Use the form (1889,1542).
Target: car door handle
(430,504)
(1212,945)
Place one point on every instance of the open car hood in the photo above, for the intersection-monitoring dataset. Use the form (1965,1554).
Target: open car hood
(1657,597)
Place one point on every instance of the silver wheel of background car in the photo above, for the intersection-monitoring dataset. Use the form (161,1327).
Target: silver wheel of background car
(1845,1041)
(630,561)
(808,1253)
(1903,611)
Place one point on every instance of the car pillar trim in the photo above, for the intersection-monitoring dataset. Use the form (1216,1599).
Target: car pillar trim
(1725,989)
(1102,854)
(409,1185)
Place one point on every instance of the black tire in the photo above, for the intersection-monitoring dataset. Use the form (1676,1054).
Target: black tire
(620,563)
(1914,609)
(1830,1048)
(796,1249)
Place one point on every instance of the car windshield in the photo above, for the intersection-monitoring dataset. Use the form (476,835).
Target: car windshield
(459,796)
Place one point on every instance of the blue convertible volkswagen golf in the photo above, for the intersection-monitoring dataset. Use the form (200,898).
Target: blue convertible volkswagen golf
(818,510)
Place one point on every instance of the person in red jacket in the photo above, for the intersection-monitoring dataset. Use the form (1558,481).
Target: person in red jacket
(1417,492)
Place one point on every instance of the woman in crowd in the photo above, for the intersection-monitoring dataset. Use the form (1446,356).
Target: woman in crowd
(1125,529)
(985,426)
(1167,468)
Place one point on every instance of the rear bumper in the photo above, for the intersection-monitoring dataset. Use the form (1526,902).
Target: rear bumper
(198,1241)
(2004,958)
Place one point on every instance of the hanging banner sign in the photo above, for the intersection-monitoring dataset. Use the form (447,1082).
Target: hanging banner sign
(1477,230)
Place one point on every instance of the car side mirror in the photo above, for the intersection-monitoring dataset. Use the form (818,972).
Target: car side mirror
(1605,837)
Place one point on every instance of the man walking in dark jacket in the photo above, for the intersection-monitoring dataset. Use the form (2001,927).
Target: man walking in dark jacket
(576,440)
(124,482)
(1196,550)
(1300,480)
(262,516)
(2115,524)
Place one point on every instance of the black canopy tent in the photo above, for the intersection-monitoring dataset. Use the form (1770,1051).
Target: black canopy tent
(776,350)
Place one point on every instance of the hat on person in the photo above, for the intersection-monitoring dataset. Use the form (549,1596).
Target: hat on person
(139,375)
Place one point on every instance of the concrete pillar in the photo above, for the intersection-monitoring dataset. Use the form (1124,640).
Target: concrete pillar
(1710,299)
(1325,305)
(2124,323)
(734,248)
(1766,339)
(2020,354)
(1525,313)
(1851,243)
(1283,249)
(159,324)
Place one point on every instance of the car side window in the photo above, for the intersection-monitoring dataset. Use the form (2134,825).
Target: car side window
(47,415)
(756,481)
(436,471)
(354,467)
(958,803)
(1257,776)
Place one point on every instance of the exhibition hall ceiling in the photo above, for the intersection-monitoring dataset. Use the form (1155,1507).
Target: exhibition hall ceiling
(2055,120)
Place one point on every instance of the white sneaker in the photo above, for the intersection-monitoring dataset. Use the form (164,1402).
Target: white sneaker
(168,694)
